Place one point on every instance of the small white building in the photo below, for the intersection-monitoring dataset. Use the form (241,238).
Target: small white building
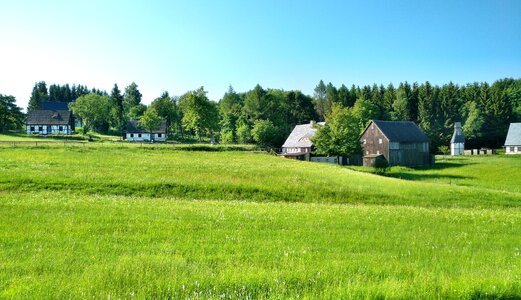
(299,142)
(513,140)
(49,122)
(457,143)
(135,133)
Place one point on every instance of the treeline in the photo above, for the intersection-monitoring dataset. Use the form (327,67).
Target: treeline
(267,116)
(57,93)
(485,111)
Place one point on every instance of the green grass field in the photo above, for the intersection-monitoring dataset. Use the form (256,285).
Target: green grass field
(158,222)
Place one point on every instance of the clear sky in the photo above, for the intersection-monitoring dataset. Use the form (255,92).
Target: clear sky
(181,45)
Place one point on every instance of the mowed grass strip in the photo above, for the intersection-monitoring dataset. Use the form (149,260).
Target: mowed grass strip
(230,175)
(67,245)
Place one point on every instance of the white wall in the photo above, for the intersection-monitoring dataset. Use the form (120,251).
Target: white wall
(54,129)
(295,150)
(457,148)
(517,150)
(140,137)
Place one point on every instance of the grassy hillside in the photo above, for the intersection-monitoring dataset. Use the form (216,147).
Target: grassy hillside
(124,222)
(247,176)
(496,172)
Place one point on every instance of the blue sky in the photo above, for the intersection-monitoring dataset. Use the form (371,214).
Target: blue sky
(182,45)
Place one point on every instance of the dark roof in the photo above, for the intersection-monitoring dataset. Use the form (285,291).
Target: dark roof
(133,127)
(48,117)
(48,105)
(401,131)
(514,135)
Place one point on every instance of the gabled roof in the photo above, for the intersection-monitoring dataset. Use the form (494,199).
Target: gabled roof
(401,131)
(457,136)
(301,136)
(514,135)
(48,105)
(48,117)
(133,127)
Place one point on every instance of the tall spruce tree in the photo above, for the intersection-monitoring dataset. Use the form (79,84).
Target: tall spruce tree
(38,96)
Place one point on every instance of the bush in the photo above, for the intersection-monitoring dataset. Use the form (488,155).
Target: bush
(381,166)
(227,137)
(243,134)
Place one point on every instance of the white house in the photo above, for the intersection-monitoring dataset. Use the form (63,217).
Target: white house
(299,142)
(513,140)
(457,143)
(135,133)
(49,122)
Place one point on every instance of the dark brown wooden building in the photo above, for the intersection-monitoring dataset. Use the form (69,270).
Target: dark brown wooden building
(402,143)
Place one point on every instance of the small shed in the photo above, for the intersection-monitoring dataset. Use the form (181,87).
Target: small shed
(135,133)
(457,142)
(513,140)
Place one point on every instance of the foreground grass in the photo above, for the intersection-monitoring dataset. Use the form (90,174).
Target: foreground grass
(113,221)
(69,245)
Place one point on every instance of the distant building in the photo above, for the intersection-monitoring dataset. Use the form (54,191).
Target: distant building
(298,144)
(136,133)
(402,143)
(457,143)
(49,122)
(513,140)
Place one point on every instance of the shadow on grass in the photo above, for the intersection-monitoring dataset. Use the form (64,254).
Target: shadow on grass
(420,176)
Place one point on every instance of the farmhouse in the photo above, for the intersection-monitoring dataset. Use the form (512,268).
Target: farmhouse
(513,140)
(402,143)
(136,133)
(49,121)
(298,144)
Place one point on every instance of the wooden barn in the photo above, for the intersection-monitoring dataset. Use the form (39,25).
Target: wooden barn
(513,140)
(402,143)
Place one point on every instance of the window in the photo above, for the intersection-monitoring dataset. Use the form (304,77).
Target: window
(379,142)
(131,135)
(32,128)
(139,135)
(367,152)
(40,128)
(511,149)
(365,141)
(159,135)
(60,128)
(518,148)
(378,152)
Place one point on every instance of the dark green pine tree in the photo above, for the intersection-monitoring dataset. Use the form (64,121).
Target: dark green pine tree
(343,95)
(320,99)
(413,103)
(38,96)
(117,103)
(389,98)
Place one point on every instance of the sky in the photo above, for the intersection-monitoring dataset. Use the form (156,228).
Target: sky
(177,46)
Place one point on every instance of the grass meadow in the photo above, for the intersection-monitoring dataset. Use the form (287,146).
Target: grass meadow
(110,221)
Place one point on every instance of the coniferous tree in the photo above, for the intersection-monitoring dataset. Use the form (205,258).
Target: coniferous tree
(116,100)
(320,100)
(38,96)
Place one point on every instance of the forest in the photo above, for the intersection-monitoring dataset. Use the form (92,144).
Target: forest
(267,116)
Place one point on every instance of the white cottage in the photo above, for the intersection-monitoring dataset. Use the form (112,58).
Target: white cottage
(513,140)
(136,133)
(457,143)
(49,122)
(299,142)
